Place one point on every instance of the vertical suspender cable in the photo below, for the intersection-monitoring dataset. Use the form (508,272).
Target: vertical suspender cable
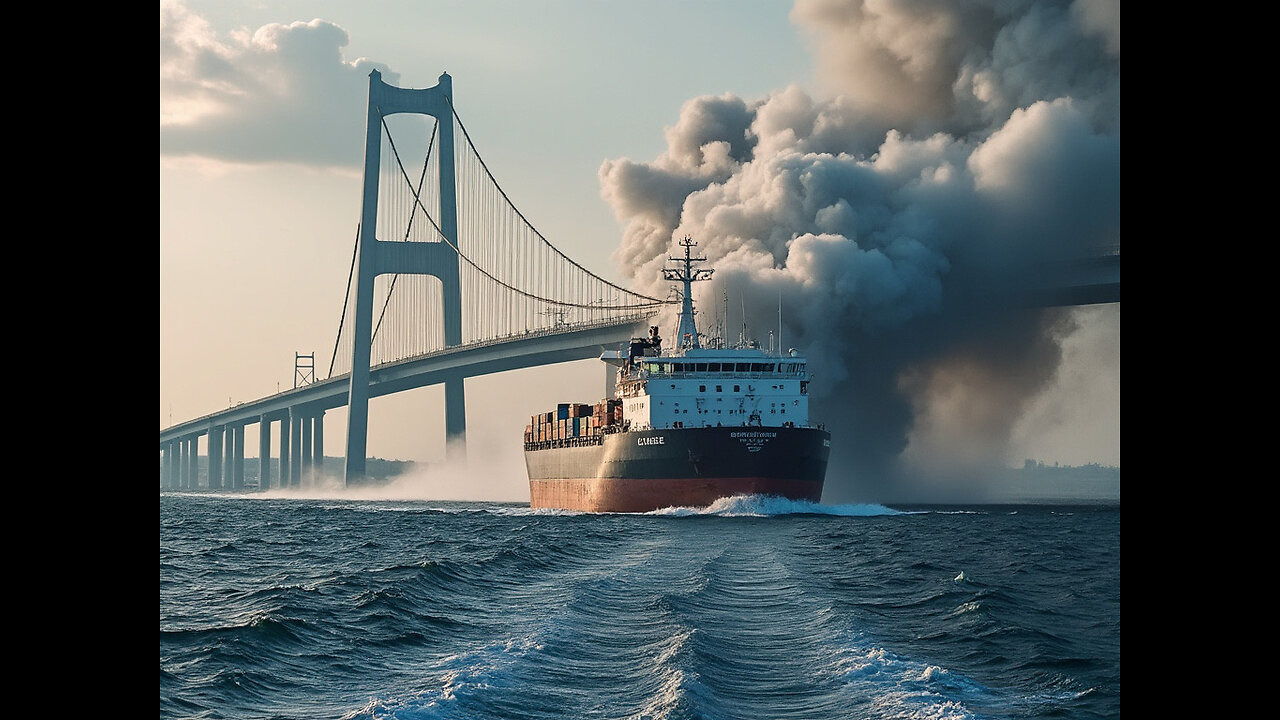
(355,253)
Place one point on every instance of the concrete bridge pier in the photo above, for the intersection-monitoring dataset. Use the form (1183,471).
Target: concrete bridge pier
(284,451)
(455,420)
(237,473)
(317,445)
(295,447)
(308,462)
(264,453)
(193,460)
(228,457)
(214,472)
(171,465)
(184,465)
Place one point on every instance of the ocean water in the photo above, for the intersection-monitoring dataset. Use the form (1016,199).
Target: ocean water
(754,608)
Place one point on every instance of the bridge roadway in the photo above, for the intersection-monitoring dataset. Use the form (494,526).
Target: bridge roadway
(300,411)
(180,442)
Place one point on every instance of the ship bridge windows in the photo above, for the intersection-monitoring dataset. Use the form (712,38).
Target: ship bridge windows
(668,367)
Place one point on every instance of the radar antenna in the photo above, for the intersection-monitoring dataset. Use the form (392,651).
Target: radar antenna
(684,272)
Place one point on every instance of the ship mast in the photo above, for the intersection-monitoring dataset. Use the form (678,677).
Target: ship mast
(687,331)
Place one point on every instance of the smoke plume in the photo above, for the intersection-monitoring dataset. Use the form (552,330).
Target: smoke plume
(961,152)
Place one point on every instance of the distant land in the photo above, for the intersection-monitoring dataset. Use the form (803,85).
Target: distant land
(379,471)
(1038,483)
(1035,483)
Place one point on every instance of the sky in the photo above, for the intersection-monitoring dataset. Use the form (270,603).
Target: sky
(868,162)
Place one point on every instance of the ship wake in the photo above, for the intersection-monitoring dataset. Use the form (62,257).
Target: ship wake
(769,505)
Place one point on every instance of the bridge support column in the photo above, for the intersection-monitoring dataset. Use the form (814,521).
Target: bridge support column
(213,472)
(264,453)
(455,420)
(307,460)
(229,457)
(318,444)
(295,447)
(228,462)
(379,257)
(193,457)
(180,474)
(167,463)
(284,451)
(237,476)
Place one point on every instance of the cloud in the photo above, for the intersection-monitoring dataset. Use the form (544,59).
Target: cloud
(968,149)
(1101,17)
(940,66)
(281,93)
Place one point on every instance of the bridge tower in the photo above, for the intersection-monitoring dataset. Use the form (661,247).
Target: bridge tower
(377,257)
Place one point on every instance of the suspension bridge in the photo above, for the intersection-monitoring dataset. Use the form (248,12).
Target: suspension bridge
(436,229)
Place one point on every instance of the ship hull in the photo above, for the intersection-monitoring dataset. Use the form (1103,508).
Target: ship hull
(640,471)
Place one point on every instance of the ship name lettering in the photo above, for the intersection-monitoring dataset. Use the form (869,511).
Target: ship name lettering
(658,440)
(752,434)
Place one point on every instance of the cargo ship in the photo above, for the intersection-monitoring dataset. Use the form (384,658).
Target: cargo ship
(688,425)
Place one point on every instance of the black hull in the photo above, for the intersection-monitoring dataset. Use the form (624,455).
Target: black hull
(645,470)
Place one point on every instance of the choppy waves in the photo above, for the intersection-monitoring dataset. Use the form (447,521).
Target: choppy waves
(764,609)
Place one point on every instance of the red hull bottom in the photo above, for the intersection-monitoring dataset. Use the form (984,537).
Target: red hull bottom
(615,495)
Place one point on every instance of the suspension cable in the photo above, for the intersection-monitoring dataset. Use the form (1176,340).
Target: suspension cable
(650,302)
(355,253)
(530,225)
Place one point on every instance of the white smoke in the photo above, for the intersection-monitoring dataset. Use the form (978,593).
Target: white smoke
(488,473)
(967,149)
(281,93)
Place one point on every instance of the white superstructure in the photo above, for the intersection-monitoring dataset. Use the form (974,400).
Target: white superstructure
(694,386)
(701,388)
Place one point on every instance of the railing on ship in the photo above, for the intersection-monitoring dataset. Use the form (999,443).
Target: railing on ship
(644,373)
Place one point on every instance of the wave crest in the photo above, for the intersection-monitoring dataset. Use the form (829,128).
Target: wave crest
(770,505)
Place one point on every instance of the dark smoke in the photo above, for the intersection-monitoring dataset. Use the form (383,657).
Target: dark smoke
(967,149)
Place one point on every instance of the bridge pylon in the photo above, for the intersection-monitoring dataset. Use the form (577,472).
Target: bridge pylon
(377,257)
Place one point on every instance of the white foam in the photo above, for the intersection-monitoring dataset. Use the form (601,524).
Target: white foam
(900,687)
(769,505)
